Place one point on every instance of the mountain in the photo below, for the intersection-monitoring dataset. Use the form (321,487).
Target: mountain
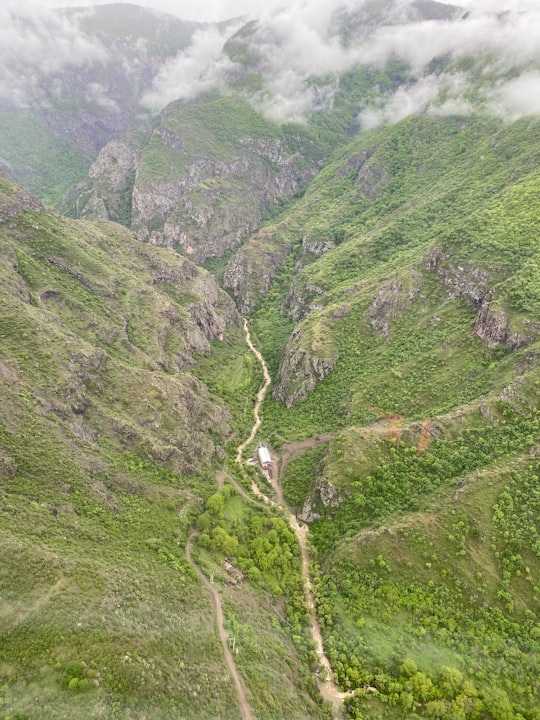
(366,195)
(402,327)
(198,180)
(109,442)
(78,83)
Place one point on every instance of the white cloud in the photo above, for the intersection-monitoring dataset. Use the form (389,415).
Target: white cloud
(96,93)
(35,42)
(294,44)
(517,97)
(201,66)
(436,95)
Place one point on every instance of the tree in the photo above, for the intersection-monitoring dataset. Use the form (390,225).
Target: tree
(216,504)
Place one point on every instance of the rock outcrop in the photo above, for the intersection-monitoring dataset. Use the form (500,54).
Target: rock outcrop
(107,193)
(200,194)
(471,284)
(302,299)
(390,303)
(301,370)
(102,335)
(252,269)
(493,327)
(15,200)
(323,496)
(466,282)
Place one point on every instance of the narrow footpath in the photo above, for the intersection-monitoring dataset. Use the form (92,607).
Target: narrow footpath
(217,612)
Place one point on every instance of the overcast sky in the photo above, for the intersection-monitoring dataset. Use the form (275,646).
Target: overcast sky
(186,9)
(293,44)
(221,9)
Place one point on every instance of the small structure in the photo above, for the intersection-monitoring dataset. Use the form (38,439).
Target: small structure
(264,457)
(235,574)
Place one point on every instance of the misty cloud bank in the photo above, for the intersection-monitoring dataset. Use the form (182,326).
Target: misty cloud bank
(201,66)
(293,44)
(289,46)
(36,43)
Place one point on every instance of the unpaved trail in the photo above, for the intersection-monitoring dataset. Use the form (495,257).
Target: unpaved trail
(260,395)
(40,602)
(217,612)
(327,686)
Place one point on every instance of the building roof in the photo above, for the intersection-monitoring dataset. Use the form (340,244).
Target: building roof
(264,455)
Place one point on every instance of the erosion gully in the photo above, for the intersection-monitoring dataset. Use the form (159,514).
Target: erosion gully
(325,682)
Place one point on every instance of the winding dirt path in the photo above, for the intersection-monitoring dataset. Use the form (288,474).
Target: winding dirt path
(217,612)
(290,451)
(327,686)
(260,395)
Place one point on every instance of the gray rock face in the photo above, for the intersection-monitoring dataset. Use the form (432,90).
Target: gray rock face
(302,300)
(300,370)
(8,468)
(216,204)
(252,269)
(210,312)
(471,284)
(493,327)
(370,178)
(389,303)
(15,203)
(468,283)
(323,493)
(106,195)
(209,202)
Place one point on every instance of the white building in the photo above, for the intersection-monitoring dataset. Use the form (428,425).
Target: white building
(264,457)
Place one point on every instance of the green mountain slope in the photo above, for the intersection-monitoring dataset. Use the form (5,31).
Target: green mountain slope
(406,282)
(108,448)
(391,278)
(199,179)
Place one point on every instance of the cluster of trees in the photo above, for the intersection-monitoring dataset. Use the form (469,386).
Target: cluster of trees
(374,609)
(447,694)
(406,476)
(261,545)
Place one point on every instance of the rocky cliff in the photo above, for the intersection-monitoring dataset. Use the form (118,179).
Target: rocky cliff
(199,180)
(101,330)
(303,367)
(472,284)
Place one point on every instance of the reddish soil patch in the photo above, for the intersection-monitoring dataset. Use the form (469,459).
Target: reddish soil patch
(425,436)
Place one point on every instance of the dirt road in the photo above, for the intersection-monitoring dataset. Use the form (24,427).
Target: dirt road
(327,686)
(260,396)
(217,611)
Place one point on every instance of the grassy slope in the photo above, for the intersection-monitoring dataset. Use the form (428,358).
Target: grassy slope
(466,190)
(42,161)
(107,448)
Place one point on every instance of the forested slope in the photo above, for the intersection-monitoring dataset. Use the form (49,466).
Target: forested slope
(404,319)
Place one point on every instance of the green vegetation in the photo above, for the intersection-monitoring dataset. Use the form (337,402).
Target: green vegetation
(108,446)
(396,300)
(262,548)
(424,303)
(45,163)
(440,595)
(232,374)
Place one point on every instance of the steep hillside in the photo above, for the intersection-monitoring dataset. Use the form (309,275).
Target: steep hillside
(366,189)
(108,448)
(77,83)
(402,326)
(200,179)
